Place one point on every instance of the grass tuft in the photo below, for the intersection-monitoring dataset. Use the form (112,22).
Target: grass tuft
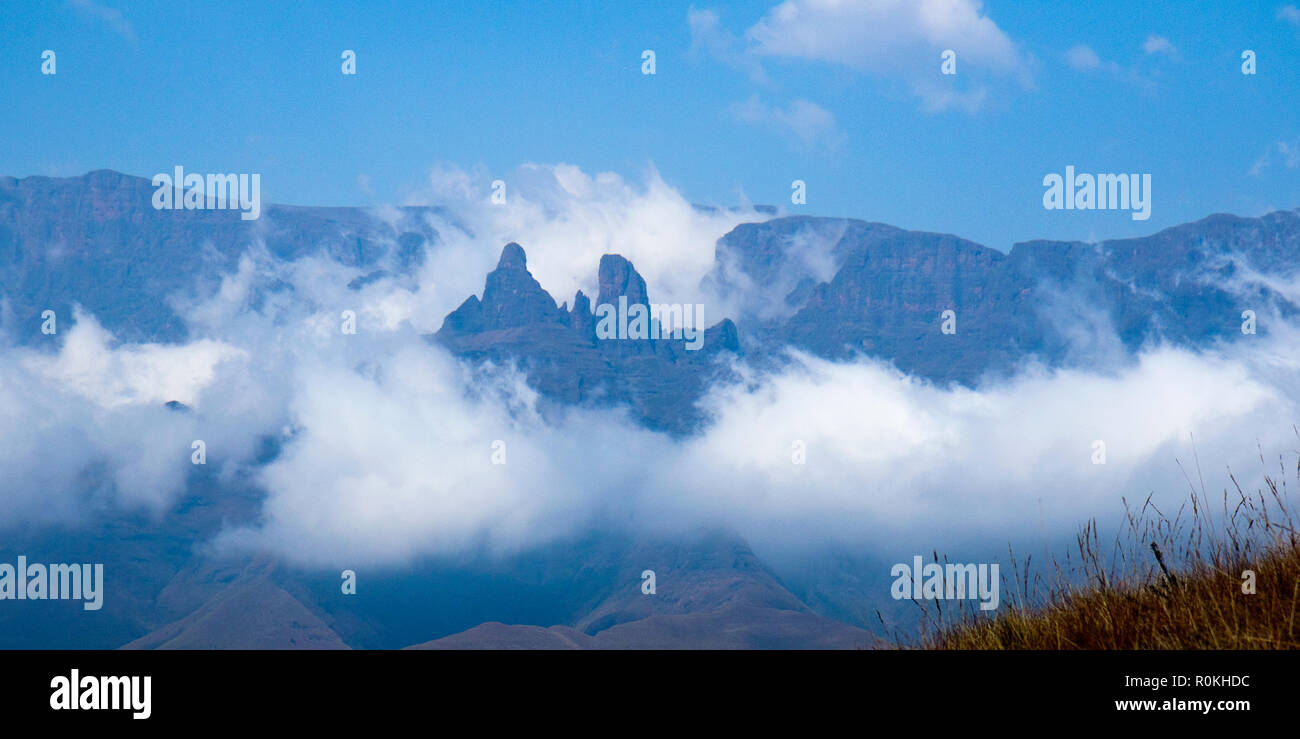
(1167,582)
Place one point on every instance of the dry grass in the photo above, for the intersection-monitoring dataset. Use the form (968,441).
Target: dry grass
(1168,582)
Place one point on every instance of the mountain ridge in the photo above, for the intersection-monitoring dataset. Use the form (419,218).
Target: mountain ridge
(841,289)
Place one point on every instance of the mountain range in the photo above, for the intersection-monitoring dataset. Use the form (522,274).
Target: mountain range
(831,287)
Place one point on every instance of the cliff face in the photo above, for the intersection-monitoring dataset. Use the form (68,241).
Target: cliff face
(883,290)
(97,241)
(889,295)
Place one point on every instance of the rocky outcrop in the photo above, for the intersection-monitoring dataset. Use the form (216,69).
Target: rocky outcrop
(566,359)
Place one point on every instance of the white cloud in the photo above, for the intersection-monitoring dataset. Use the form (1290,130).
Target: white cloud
(1284,153)
(895,460)
(883,35)
(1290,153)
(397,462)
(1159,45)
(710,37)
(131,374)
(85,428)
(1082,57)
(566,219)
(898,40)
(1290,14)
(808,124)
(1085,59)
(936,98)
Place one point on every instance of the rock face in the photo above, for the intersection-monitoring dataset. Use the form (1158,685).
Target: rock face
(511,299)
(846,287)
(97,241)
(888,297)
(566,360)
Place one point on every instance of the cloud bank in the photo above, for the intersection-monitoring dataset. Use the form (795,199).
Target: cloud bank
(388,442)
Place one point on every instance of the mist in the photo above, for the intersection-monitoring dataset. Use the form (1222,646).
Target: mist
(393,449)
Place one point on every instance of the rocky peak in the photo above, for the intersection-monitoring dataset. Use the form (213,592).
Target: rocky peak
(511,298)
(513,258)
(618,277)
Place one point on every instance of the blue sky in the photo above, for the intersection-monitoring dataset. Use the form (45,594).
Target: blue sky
(746,98)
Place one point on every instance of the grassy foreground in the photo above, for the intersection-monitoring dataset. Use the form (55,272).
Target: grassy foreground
(1167,582)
